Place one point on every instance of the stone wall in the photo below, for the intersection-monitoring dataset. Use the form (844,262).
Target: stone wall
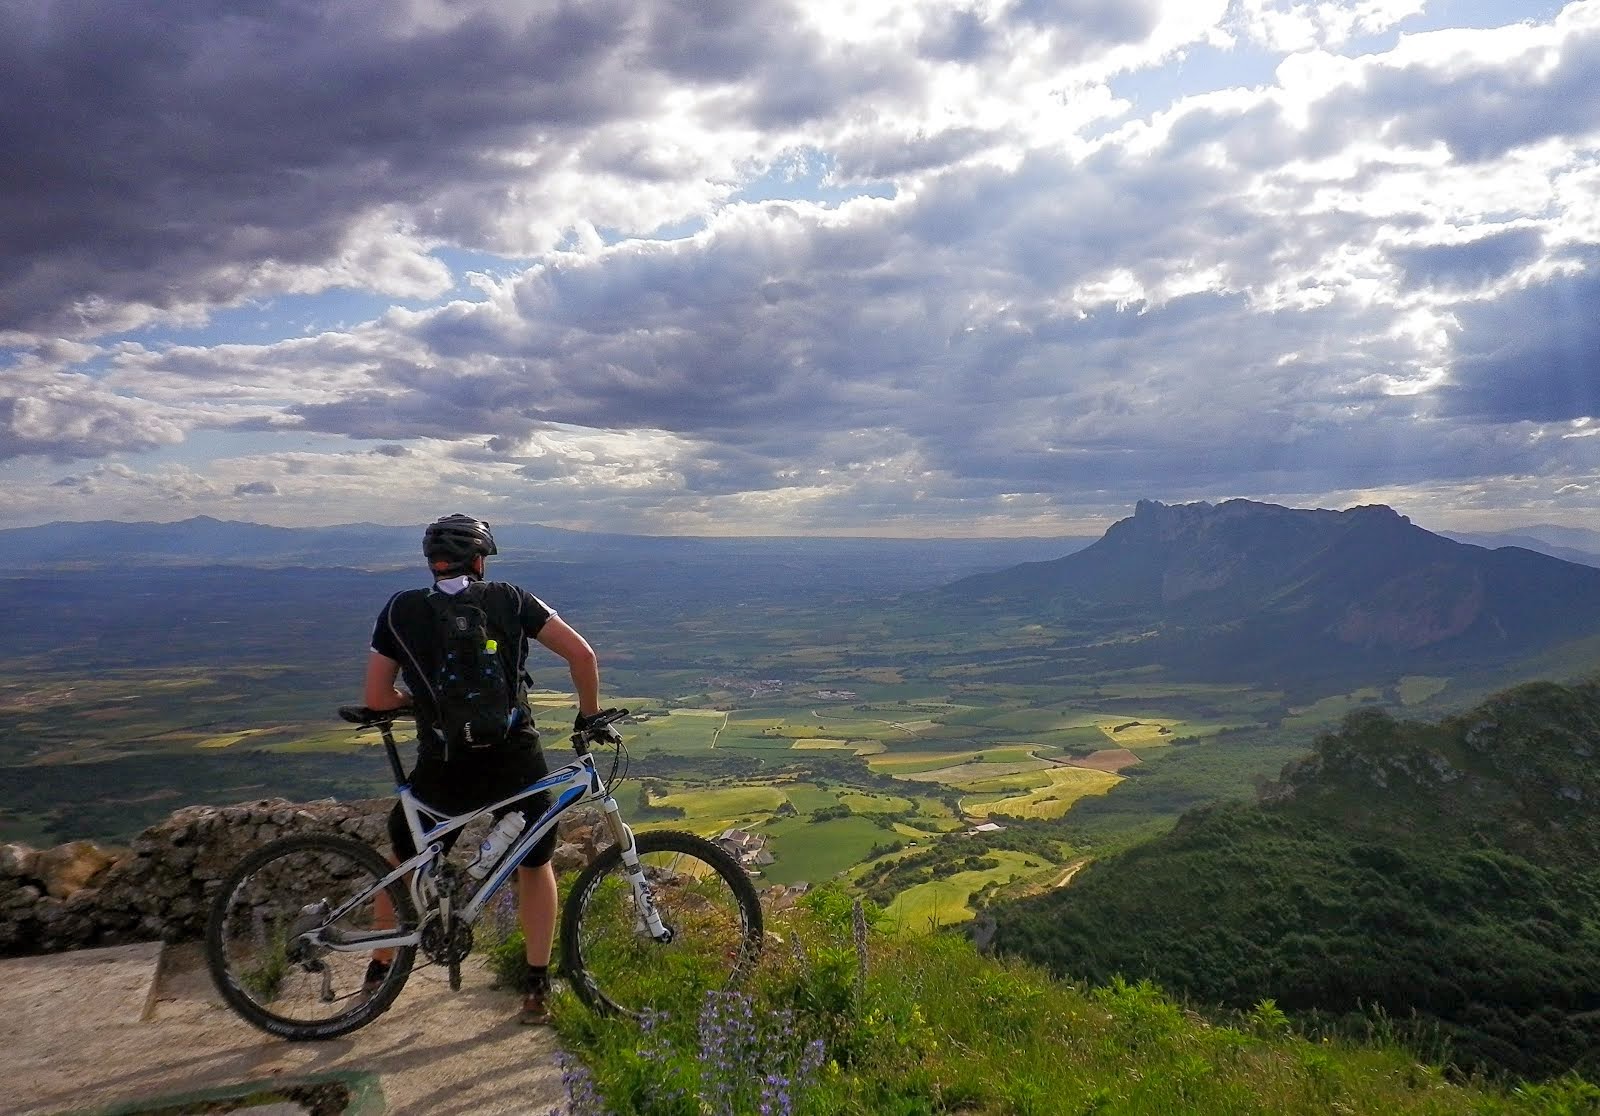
(82,894)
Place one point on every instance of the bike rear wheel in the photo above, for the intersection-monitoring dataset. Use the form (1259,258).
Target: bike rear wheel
(261,958)
(706,901)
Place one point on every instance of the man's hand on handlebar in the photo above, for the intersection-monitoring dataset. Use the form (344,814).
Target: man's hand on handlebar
(596,729)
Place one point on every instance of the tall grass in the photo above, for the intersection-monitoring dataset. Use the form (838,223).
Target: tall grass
(842,1018)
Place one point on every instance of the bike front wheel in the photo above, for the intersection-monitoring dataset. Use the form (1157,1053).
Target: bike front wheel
(704,898)
(279,955)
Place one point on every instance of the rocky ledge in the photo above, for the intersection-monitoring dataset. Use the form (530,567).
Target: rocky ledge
(82,894)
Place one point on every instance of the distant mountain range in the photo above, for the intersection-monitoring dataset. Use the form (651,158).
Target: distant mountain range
(1238,589)
(204,540)
(1253,588)
(1574,544)
(864,565)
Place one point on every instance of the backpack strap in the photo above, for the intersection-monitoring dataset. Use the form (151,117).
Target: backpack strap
(394,630)
(416,667)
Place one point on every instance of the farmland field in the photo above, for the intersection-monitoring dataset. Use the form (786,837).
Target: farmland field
(816,851)
(1065,786)
(714,809)
(925,906)
(1415,689)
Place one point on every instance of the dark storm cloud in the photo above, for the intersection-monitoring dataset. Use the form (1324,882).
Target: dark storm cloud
(171,158)
(1531,354)
(157,153)
(256,488)
(714,40)
(1472,265)
(491,405)
(958,36)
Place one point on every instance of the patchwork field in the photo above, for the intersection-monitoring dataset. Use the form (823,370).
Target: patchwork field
(1414,689)
(714,809)
(1330,709)
(1107,759)
(835,764)
(1064,786)
(1139,733)
(815,851)
(925,907)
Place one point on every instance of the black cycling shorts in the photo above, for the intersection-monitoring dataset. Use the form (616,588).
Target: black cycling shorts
(456,788)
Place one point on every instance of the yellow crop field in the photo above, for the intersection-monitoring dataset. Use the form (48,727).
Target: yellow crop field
(1020,781)
(1067,785)
(1141,733)
(228,739)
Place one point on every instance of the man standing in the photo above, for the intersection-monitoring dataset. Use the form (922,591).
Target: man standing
(408,642)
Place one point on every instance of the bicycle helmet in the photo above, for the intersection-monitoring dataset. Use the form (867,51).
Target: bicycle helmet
(450,544)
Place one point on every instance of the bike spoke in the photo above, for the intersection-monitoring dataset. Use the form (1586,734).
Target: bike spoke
(268,939)
(707,905)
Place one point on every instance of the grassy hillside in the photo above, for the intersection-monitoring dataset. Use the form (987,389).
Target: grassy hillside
(879,1024)
(1443,875)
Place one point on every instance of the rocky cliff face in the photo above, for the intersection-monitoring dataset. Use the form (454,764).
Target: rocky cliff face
(1521,766)
(81,894)
(1243,589)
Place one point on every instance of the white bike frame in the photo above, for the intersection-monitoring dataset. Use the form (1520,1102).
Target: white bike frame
(576,782)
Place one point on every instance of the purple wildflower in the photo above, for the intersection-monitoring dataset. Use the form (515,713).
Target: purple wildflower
(583,1099)
(775,1095)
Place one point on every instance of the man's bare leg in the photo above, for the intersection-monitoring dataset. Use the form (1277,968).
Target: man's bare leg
(536,911)
(383,919)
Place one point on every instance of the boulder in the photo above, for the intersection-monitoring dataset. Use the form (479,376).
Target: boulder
(71,867)
(19,861)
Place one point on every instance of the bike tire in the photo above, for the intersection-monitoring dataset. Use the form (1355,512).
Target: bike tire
(704,896)
(253,927)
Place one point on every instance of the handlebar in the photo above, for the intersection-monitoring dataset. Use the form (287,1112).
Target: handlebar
(605,718)
(367,717)
(383,720)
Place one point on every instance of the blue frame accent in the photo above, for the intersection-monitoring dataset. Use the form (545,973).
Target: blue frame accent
(581,780)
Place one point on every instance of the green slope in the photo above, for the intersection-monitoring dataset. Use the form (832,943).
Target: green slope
(1443,875)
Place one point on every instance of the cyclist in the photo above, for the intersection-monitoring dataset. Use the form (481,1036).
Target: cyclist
(406,645)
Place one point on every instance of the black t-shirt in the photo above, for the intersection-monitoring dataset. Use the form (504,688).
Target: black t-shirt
(407,632)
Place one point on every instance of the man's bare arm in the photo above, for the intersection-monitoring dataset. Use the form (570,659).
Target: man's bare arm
(560,637)
(380,692)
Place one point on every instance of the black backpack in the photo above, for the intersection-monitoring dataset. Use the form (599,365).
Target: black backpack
(472,692)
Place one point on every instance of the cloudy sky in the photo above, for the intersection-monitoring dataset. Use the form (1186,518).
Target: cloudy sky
(830,266)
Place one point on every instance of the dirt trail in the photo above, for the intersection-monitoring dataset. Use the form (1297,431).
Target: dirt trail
(1071,870)
(98,1028)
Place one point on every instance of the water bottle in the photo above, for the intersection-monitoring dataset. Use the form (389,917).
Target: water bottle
(497,842)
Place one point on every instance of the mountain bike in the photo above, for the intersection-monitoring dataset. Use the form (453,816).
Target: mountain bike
(654,918)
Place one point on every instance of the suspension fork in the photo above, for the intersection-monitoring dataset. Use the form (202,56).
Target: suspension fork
(634,870)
